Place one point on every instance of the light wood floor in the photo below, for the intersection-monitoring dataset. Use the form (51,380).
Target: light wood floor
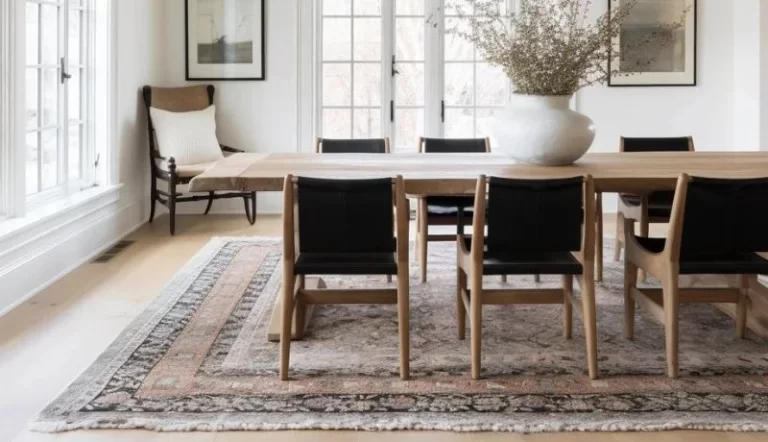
(47,342)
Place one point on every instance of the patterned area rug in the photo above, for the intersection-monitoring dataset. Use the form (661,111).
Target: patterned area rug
(198,359)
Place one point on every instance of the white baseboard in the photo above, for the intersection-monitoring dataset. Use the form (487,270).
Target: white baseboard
(268,203)
(59,252)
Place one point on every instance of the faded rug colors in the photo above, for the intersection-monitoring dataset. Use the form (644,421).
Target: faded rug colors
(198,359)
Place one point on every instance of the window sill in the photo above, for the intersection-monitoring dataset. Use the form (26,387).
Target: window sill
(65,209)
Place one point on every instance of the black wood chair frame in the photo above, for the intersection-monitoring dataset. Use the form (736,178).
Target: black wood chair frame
(171,197)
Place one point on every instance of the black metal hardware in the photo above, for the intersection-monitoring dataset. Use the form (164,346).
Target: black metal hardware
(64,74)
(392,110)
(442,110)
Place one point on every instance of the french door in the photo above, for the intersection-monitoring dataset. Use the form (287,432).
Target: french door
(389,68)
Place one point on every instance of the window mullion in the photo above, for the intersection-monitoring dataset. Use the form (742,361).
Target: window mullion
(63,153)
(434,68)
(387,57)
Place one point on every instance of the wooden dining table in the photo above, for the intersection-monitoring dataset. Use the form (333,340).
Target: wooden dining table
(456,174)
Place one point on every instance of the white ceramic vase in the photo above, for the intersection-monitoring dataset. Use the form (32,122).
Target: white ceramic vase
(540,129)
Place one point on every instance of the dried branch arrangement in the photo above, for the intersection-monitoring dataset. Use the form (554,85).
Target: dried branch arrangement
(551,47)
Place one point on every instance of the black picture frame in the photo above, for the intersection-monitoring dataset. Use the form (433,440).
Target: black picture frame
(693,83)
(263,50)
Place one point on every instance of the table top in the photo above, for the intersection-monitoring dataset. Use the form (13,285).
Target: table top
(454,174)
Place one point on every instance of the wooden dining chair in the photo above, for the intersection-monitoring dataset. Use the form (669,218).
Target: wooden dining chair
(534,227)
(371,145)
(344,227)
(646,209)
(713,231)
(444,210)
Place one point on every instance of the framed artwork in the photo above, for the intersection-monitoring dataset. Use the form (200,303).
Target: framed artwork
(672,63)
(225,40)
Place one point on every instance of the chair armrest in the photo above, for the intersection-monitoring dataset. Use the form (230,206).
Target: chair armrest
(225,148)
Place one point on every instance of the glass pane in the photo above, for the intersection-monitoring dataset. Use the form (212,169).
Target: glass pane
(33,29)
(50,140)
(409,7)
(485,119)
(74,146)
(337,123)
(368,39)
(31,164)
(409,126)
(74,37)
(337,7)
(74,99)
(458,7)
(367,123)
(31,90)
(460,123)
(459,84)
(491,85)
(410,84)
(337,39)
(337,84)
(50,100)
(456,47)
(367,84)
(50,33)
(410,39)
(367,7)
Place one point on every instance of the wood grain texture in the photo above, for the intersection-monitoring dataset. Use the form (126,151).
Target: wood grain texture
(456,174)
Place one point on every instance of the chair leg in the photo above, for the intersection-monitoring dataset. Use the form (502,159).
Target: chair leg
(587,286)
(461,311)
(404,320)
(210,203)
(567,306)
(476,320)
(537,278)
(172,206)
(250,213)
(253,208)
(619,237)
(644,232)
(504,279)
(300,308)
(153,201)
(630,281)
(671,323)
(741,307)
(286,325)
(599,238)
(423,238)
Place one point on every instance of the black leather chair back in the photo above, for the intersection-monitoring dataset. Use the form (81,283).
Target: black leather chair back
(374,145)
(675,144)
(535,215)
(345,216)
(725,216)
(453,145)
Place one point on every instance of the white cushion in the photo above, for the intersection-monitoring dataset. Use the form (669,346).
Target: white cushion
(188,137)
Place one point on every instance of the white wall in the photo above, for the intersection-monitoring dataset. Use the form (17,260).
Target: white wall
(256,116)
(704,111)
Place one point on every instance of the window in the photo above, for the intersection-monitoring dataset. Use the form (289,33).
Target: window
(59,140)
(389,68)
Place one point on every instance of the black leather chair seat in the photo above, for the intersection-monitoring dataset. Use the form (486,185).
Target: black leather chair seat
(529,263)
(659,203)
(449,205)
(735,263)
(346,264)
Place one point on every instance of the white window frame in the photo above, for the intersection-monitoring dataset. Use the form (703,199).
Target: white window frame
(311,62)
(100,118)
(86,179)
